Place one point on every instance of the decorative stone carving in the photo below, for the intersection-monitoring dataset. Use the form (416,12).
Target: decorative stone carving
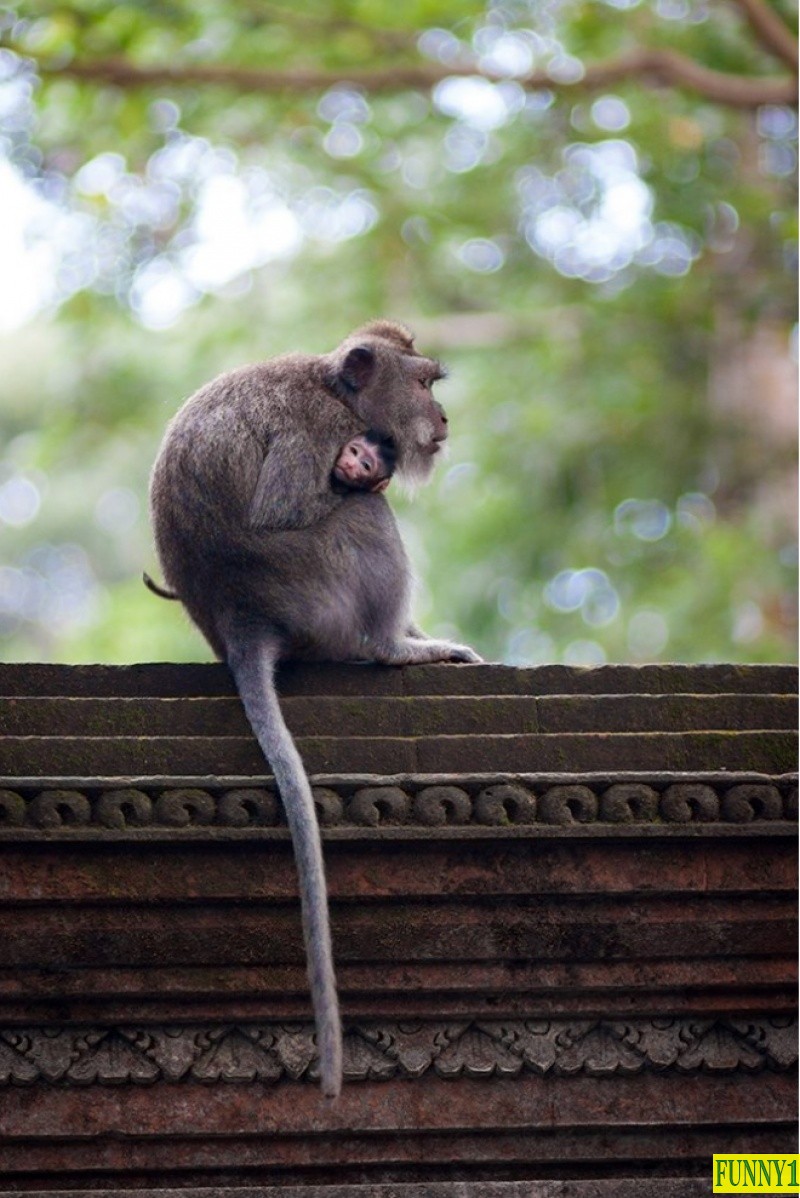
(687,802)
(328,804)
(748,802)
(506,803)
(629,802)
(375,805)
(59,808)
(482,1049)
(463,802)
(436,806)
(568,805)
(248,807)
(182,807)
(12,809)
(124,809)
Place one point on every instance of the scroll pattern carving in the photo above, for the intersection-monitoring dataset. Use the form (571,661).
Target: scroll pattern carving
(496,1048)
(464,802)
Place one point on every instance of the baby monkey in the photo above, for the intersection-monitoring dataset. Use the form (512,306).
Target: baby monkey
(365,463)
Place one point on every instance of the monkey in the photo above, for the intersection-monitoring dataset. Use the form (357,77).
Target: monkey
(271,562)
(366,463)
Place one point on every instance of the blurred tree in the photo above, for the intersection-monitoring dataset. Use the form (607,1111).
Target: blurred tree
(588,209)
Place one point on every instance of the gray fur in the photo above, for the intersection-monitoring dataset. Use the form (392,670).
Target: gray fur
(271,562)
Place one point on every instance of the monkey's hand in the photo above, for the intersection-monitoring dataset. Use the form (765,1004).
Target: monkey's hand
(412,651)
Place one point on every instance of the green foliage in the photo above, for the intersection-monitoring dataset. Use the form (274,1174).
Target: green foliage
(587,263)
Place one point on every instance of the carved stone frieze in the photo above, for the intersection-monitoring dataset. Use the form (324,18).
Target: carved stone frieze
(415,803)
(266,1052)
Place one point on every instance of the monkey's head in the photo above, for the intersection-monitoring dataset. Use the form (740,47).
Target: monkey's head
(378,373)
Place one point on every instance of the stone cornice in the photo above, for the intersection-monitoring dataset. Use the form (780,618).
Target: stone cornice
(403,805)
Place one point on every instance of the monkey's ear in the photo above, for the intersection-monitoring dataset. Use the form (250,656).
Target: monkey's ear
(358,368)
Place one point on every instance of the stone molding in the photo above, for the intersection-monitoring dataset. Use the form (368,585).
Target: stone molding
(448,802)
(614,1187)
(271,1052)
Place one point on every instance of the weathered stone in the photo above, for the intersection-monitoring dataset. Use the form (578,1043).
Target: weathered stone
(506,804)
(249,806)
(343,716)
(665,713)
(567,805)
(379,805)
(660,1187)
(126,807)
(202,871)
(752,801)
(626,802)
(142,807)
(574,752)
(530,1123)
(685,801)
(566,958)
(69,756)
(436,806)
(166,679)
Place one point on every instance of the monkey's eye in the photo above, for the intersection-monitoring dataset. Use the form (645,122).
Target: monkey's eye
(366,465)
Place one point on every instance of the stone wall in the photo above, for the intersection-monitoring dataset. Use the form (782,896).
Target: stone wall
(563,907)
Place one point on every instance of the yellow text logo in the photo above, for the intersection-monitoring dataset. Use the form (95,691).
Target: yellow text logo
(756,1174)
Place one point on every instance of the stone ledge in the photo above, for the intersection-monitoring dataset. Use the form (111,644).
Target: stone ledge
(644,1187)
(208,679)
(756,751)
(537,1126)
(399,716)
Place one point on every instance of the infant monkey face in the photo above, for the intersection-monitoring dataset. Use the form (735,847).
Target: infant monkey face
(361,466)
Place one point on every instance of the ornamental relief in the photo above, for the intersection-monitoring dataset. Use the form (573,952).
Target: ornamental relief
(483,1049)
(501,804)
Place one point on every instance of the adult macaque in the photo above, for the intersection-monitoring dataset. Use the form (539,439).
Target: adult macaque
(366,463)
(272,562)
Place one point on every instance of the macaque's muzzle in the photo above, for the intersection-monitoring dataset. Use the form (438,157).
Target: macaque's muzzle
(439,427)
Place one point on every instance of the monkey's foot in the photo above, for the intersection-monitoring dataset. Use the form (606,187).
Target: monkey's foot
(461,653)
(411,651)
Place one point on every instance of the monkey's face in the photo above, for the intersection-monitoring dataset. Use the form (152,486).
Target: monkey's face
(390,386)
(424,418)
(359,466)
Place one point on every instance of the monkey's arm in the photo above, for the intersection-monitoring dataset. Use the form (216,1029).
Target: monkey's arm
(293,488)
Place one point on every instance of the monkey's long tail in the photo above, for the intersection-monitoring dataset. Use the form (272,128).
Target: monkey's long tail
(252,663)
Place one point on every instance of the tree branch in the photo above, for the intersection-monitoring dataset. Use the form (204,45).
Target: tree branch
(771,31)
(651,66)
(678,70)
